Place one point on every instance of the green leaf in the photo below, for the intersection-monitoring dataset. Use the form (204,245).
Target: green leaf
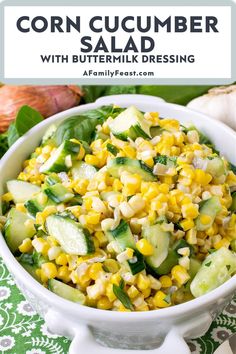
(82,127)
(3,144)
(92,93)
(174,94)
(123,297)
(119,90)
(27,118)
(13,134)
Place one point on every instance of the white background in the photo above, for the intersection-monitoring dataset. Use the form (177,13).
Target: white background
(22,50)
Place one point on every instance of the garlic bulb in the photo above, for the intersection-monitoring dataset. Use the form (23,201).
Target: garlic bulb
(218,103)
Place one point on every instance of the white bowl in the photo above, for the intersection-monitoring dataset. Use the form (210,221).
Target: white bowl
(163,328)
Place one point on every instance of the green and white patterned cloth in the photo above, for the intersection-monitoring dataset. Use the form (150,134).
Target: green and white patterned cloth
(22,331)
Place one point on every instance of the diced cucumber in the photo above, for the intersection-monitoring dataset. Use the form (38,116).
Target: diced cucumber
(156,131)
(58,193)
(112,149)
(16,230)
(22,191)
(36,205)
(136,265)
(76,200)
(83,170)
(116,166)
(130,124)
(210,207)
(52,179)
(33,207)
(57,162)
(72,237)
(49,134)
(166,266)
(123,235)
(216,269)
(194,267)
(160,240)
(233,204)
(66,291)
(216,167)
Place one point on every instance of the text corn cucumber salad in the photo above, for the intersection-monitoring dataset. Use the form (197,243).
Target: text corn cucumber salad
(123,210)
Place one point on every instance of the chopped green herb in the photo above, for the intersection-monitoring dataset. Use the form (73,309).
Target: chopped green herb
(228,266)
(165,160)
(122,284)
(208,264)
(123,297)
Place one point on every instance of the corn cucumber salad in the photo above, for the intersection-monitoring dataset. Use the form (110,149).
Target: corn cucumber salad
(123,210)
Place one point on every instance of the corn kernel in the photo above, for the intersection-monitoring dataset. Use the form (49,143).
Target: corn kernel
(166,281)
(145,247)
(132,292)
(191,236)
(143,282)
(122,308)
(146,292)
(7,197)
(109,292)
(49,269)
(205,219)
(93,218)
(126,210)
(115,279)
(187,224)
(222,243)
(63,274)
(129,151)
(95,271)
(137,203)
(101,237)
(80,186)
(190,211)
(41,245)
(92,160)
(104,303)
(53,252)
(180,274)
(117,185)
(202,178)
(26,245)
(21,207)
(164,188)
(62,259)
(159,300)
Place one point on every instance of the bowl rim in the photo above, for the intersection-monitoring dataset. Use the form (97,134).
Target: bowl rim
(86,312)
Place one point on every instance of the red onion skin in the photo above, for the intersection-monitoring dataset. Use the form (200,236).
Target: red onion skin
(48,100)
